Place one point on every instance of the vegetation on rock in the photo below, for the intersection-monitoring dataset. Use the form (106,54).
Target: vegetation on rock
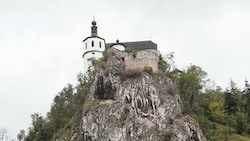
(222,115)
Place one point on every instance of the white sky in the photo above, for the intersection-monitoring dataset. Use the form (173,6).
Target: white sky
(41,43)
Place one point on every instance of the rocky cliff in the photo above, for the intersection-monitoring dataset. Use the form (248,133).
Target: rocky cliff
(130,106)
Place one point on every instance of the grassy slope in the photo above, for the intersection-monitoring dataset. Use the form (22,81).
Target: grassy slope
(222,134)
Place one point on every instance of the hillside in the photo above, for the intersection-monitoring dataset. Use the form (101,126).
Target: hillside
(134,105)
(121,101)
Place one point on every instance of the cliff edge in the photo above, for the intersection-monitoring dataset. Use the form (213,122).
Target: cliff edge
(132,104)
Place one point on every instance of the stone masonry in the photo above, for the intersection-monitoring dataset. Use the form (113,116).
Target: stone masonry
(138,60)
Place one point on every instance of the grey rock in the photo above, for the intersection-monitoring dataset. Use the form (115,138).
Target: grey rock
(143,107)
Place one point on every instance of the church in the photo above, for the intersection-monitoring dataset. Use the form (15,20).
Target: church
(94,46)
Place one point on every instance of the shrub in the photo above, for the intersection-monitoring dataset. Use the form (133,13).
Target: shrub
(148,69)
(241,123)
(171,120)
(127,49)
(99,63)
(105,55)
(162,64)
(207,127)
(132,73)
(92,104)
(167,136)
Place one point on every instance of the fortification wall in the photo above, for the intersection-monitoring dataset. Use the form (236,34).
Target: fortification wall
(140,60)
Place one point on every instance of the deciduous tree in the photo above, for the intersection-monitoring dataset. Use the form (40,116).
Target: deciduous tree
(217,111)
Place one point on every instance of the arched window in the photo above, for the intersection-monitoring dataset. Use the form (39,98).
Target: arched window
(92,43)
(100,44)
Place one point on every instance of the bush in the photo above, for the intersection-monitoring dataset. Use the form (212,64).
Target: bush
(99,63)
(171,120)
(148,69)
(127,49)
(132,73)
(105,55)
(208,127)
(241,123)
(167,136)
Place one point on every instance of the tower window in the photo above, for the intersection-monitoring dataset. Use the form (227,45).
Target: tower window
(100,44)
(92,43)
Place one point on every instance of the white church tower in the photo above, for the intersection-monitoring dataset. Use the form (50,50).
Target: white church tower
(93,48)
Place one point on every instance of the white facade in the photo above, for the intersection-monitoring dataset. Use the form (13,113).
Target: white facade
(119,47)
(93,48)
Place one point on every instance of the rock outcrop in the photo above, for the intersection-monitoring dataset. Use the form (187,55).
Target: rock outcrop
(131,106)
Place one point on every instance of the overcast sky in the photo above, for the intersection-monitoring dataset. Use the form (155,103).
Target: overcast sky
(41,43)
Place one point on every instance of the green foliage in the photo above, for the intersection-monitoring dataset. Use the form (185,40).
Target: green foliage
(162,63)
(132,73)
(62,108)
(171,121)
(21,135)
(190,82)
(203,101)
(234,102)
(100,62)
(217,111)
(166,64)
(218,132)
(213,118)
(241,122)
(221,116)
(127,49)
(148,69)
(122,119)
(207,126)
(65,111)
(92,104)
(105,55)
(167,136)
(38,131)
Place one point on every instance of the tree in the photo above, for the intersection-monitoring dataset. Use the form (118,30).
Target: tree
(247,97)
(233,99)
(21,135)
(62,108)
(217,111)
(241,122)
(38,130)
(167,64)
(190,83)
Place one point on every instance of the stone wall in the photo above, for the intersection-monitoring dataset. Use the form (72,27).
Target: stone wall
(140,60)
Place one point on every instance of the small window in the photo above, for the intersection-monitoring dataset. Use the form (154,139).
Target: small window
(100,44)
(85,45)
(93,53)
(92,43)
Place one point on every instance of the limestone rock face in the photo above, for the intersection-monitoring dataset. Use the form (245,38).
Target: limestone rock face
(134,107)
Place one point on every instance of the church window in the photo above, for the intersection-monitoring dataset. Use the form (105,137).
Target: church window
(92,43)
(100,44)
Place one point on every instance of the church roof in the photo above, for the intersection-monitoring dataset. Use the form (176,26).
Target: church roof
(137,45)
